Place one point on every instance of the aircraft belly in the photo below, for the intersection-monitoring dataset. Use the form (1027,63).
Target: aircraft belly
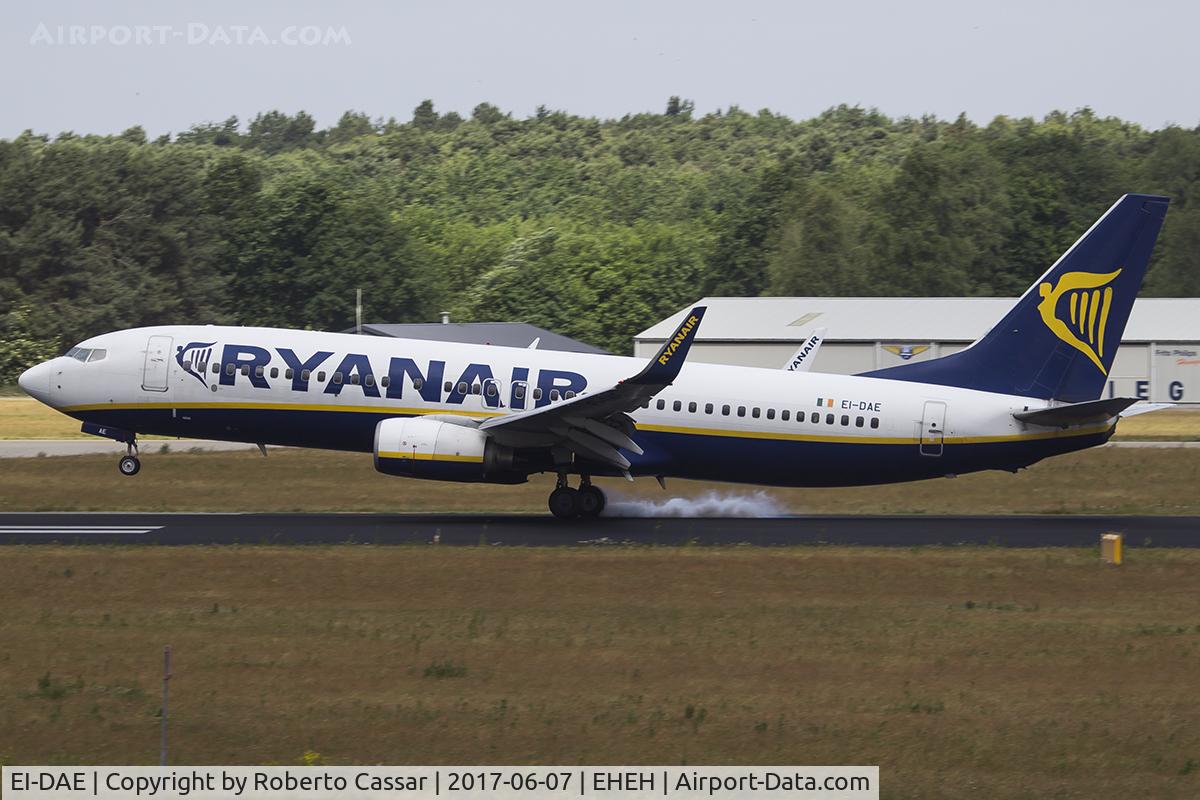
(827,464)
(734,459)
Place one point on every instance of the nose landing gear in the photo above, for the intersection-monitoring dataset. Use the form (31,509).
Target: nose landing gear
(130,464)
(567,503)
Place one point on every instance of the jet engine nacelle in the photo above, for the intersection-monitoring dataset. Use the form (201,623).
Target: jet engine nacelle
(417,447)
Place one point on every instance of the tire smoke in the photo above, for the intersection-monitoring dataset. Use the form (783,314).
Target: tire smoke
(709,504)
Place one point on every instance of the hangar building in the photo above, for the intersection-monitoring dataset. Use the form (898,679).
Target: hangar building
(507,334)
(1159,357)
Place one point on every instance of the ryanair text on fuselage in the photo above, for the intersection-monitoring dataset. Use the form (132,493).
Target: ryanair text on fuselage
(353,370)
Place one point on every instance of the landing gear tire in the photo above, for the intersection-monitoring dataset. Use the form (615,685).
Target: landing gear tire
(564,503)
(591,501)
(129,466)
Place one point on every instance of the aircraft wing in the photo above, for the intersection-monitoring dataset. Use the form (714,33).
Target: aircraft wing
(596,425)
(804,357)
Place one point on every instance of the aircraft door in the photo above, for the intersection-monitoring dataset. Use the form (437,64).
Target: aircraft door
(933,428)
(154,373)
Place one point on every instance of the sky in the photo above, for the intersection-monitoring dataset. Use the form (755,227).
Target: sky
(102,67)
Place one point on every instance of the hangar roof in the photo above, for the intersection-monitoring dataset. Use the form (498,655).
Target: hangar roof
(505,334)
(919,319)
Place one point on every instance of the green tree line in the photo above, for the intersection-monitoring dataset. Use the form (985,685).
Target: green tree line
(593,228)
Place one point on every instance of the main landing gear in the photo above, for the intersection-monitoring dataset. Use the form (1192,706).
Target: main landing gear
(130,464)
(568,503)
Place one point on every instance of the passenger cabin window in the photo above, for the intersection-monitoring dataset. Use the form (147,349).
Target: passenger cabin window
(829,419)
(874,422)
(321,377)
(229,369)
(858,422)
(448,386)
(845,419)
(289,373)
(519,391)
(258,371)
(491,390)
(691,408)
(385,382)
(462,387)
(569,393)
(554,395)
(754,412)
(337,377)
(771,413)
(725,411)
(741,411)
(245,369)
(477,389)
(677,406)
(661,404)
(216,368)
(537,393)
(274,372)
(708,408)
(305,374)
(784,415)
(815,418)
(369,380)
(417,383)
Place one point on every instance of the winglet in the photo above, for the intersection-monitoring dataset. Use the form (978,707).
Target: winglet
(665,365)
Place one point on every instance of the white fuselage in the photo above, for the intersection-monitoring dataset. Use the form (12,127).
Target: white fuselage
(720,422)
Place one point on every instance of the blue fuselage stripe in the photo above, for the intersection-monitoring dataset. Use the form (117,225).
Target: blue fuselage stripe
(700,455)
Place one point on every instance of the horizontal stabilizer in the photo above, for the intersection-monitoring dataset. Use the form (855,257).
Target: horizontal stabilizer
(1077,413)
(1146,408)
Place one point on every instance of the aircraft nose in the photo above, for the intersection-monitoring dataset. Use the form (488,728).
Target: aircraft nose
(35,381)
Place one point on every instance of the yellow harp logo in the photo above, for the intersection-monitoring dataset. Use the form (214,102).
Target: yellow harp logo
(1088,299)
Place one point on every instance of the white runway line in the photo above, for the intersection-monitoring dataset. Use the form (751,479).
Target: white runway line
(72,530)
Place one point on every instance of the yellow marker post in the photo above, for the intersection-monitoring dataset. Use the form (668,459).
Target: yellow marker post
(1110,548)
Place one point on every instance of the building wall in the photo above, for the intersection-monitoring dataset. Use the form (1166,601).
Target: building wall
(1166,372)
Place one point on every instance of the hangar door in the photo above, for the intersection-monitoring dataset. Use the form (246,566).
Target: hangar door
(154,374)
(933,428)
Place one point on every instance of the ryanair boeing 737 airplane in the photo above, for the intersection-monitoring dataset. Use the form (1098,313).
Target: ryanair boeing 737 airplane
(1030,388)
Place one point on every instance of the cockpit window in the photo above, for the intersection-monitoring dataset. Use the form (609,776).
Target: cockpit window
(79,353)
(97,355)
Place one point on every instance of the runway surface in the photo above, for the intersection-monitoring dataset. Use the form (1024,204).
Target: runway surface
(545,531)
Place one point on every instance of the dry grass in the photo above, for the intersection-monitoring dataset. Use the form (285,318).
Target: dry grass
(25,418)
(963,673)
(1108,480)
(1169,425)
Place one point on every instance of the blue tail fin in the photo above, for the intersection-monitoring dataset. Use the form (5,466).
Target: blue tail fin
(1059,340)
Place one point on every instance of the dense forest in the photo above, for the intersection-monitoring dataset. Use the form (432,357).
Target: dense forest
(592,228)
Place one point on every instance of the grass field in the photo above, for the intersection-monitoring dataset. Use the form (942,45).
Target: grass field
(962,673)
(1106,480)
(25,418)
